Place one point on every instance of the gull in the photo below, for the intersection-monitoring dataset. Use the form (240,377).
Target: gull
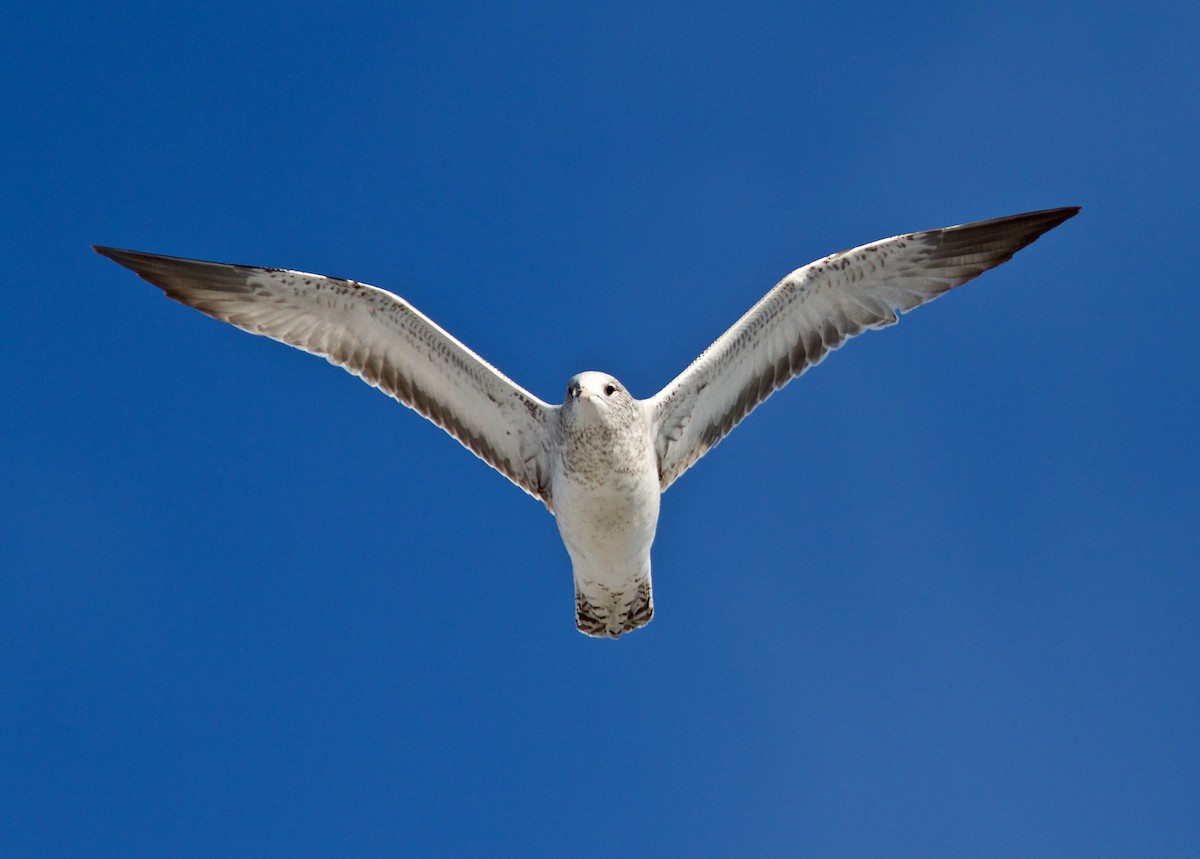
(601,460)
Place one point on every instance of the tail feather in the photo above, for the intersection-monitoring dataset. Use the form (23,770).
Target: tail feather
(612,619)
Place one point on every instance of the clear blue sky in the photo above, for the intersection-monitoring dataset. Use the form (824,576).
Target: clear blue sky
(940,597)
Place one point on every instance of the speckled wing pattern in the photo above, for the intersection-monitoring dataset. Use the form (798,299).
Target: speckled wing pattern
(813,311)
(378,337)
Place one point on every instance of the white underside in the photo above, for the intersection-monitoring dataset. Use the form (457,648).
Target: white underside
(608,532)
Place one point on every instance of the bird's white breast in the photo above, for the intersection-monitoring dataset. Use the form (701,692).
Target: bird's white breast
(605,487)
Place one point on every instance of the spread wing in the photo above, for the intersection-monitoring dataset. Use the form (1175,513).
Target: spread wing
(813,311)
(378,337)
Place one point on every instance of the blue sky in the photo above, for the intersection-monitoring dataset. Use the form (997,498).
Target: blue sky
(937,598)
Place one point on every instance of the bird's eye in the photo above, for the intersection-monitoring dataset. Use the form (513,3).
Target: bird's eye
(609,390)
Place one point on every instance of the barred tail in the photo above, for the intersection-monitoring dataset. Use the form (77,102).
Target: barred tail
(613,618)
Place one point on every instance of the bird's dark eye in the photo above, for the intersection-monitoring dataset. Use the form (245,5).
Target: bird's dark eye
(609,390)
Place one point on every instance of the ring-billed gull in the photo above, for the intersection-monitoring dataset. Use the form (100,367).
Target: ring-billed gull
(601,460)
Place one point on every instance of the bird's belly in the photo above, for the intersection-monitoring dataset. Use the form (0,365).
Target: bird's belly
(608,530)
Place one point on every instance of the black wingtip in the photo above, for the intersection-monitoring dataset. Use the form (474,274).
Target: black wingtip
(128,259)
(167,273)
(1037,224)
(1001,237)
(1054,217)
(1041,219)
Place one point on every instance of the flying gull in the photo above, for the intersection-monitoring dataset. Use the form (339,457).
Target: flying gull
(600,461)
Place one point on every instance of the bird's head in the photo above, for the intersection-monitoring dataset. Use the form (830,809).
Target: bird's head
(594,395)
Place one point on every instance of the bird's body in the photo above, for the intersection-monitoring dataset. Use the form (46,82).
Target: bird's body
(605,486)
(601,460)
